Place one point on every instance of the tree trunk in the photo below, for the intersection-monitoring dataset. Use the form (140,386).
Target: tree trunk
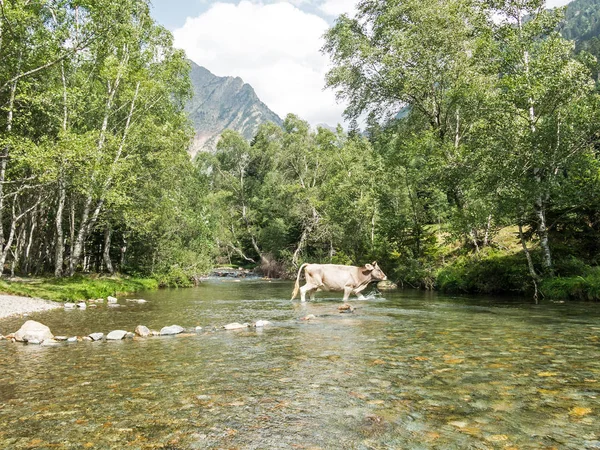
(534,276)
(59,247)
(542,232)
(106,253)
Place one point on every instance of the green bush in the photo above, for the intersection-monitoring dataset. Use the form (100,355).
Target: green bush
(585,287)
(491,272)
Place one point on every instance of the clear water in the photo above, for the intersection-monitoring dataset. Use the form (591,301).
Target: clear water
(404,371)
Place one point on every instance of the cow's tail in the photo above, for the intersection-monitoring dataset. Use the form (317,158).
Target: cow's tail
(297,286)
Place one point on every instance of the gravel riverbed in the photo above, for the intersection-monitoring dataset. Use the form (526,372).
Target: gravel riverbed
(11,305)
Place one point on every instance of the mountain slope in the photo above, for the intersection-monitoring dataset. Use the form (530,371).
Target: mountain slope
(582,25)
(221,103)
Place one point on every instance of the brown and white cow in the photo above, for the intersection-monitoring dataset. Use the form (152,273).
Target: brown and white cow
(333,277)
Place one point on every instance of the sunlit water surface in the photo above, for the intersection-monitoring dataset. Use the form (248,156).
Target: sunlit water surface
(406,370)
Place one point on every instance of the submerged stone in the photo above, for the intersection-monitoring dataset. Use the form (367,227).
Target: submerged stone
(236,326)
(170,330)
(142,331)
(96,336)
(116,335)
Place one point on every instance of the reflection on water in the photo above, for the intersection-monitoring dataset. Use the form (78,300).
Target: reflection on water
(410,371)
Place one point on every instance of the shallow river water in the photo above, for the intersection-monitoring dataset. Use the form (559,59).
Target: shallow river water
(406,370)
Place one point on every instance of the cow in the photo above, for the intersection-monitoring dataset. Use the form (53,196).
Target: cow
(334,277)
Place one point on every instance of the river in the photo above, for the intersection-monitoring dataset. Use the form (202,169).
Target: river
(406,370)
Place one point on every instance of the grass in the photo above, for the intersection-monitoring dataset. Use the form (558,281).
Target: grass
(75,288)
(584,287)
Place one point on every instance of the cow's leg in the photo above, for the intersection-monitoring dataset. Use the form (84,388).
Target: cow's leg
(308,287)
(347,292)
(358,293)
(312,294)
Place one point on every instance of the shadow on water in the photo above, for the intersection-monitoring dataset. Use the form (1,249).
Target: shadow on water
(406,370)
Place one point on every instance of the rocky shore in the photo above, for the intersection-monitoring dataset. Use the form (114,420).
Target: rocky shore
(11,305)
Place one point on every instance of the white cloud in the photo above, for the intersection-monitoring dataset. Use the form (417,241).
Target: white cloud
(338,7)
(273,47)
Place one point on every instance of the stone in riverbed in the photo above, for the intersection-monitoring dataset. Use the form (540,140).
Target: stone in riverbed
(198,329)
(236,326)
(70,305)
(110,299)
(34,341)
(50,343)
(116,335)
(32,330)
(142,331)
(173,329)
(346,308)
(60,338)
(262,323)
(96,336)
(141,300)
(81,305)
(129,335)
(72,339)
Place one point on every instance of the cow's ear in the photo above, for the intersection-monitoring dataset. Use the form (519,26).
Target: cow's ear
(374,263)
(369,267)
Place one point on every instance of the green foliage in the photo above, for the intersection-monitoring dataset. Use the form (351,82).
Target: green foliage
(490,273)
(586,287)
(77,288)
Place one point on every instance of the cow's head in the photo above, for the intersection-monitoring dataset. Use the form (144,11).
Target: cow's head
(376,273)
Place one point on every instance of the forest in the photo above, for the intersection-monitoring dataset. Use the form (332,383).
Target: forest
(471,163)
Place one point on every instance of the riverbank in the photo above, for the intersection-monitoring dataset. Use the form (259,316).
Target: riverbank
(74,288)
(13,305)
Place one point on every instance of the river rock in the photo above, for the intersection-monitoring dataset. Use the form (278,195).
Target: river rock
(198,329)
(72,339)
(96,336)
(32,330)
(99,300)
(173,329)
(129,335)
(86,338)
(262,323)
(34,341)
(2,337)
(116,335)
(309,317)
(236,326)
(50,343)
(60,338)
(81,305)
(346,308)
(142,331)
(70,305)
(110,299)
(114,305)
(155,333)
(386,285)
(141,301)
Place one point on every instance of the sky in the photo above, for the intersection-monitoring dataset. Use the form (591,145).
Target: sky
(274,45)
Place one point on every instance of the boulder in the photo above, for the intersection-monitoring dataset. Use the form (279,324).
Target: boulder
(32,330)
(96,336)
(262,323)
(142,331)
(236,326)
(116,335)
(173,329)
(110,299)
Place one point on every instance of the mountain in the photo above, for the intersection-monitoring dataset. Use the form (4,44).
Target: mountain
(582,25)
(220,103)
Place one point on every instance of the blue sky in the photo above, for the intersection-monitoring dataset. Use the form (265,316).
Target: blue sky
(274,45)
